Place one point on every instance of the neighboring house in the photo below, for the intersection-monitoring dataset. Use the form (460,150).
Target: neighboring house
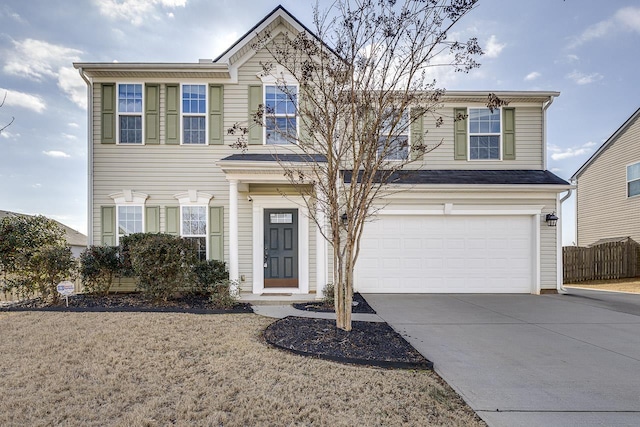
(76,240)
(608,188)
(472,219)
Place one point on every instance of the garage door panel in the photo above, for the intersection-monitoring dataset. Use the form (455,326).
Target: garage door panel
(470,254)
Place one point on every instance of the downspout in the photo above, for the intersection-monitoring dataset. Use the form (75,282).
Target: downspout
(545,107)
(89,156)
(559,263)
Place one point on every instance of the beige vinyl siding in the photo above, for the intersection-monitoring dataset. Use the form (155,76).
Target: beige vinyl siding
(603,208)
(529,153)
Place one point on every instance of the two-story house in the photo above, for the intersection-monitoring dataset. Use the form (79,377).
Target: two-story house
(473,217)
(608,194)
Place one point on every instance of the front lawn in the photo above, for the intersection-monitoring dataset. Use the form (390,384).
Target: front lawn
(620,285)
(187,369)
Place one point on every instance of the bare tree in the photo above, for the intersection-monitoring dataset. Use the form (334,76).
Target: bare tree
(12,118)
(362,84)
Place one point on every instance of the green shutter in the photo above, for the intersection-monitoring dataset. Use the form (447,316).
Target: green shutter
(152,219)
(152,114)
(172,123)
(172,220)
(108,113)
(255,130)
(417,133)
(460,134)
(108,221)
(508,134)
(216,233)
(216,117)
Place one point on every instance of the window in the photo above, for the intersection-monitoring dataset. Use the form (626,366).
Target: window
(633,180)
(129,220)
(130,113)
(194,228)
(484,134)
(281,122)
(394,135)
(194,110)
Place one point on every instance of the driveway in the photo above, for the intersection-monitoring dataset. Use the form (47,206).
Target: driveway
(527,360)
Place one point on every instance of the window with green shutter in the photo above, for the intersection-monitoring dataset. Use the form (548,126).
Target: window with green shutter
(108,225)
(152,114)
(172,114)
(216,114)
(216,233)
(255,99)
(482,134)
(108,113)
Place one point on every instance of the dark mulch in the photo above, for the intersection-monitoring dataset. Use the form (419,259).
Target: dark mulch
(368,343)
(128,302)
(360,305)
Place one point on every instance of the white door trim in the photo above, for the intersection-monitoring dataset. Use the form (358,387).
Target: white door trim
(260,203)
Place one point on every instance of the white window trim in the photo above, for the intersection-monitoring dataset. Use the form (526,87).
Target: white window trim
(626,176)
(499,159)
(297,117)
(206,225)
(279,77)
(195,198)
(118,114)
(127,205)
(205,114)
(408,133)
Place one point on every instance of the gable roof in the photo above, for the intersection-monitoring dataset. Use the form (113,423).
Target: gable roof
(275,16)
(607,144)
(73,237)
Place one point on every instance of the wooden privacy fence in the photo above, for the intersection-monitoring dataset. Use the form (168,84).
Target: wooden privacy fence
(613,260)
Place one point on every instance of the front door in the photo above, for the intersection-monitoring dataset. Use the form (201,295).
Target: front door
(281,248)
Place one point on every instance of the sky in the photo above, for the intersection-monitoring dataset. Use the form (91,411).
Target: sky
(589,50)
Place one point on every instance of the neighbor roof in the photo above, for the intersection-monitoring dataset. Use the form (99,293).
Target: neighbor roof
(73,237)
(607,143)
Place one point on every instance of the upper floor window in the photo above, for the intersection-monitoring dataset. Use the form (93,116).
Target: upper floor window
(129,220)
(633,179)
(393,141)
(194,114)
(130,113)
(194,228)
(281,106)
(484,134)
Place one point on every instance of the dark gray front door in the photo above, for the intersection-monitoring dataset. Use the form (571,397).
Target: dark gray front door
(281,248)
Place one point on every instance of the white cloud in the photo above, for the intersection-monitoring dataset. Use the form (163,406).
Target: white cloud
(625,19)
(532,76)
(584,79)
(56,154)
(73,125)
(8,12)
(170,15)
(23,100)
(556,170)
(69,136)
(493,48)
(37,59)
(72,84)
(136,11)
(36,185)
(559,153)
(8,135)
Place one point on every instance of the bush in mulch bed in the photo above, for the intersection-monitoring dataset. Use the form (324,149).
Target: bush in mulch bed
(368,343)
(360,305)
(132,302)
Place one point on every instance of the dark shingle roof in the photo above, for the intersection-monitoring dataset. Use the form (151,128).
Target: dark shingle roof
(478,177)
(268,157)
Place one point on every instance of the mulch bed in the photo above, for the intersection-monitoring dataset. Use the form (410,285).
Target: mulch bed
(368,343)
(128,302)
(360,305)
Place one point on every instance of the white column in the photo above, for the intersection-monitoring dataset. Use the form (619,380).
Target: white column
(321,254)
(234,274)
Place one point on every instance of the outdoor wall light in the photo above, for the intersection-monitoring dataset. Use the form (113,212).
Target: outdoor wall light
(552,219)
(344,218)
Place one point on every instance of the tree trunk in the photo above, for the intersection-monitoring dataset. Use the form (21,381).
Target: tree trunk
(343,276)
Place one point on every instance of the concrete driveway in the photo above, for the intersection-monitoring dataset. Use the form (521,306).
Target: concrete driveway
(527,360)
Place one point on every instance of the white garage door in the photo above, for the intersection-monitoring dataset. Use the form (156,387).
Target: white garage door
(446,254)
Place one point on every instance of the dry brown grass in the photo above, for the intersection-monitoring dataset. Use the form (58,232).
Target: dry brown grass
(159,369)
(621,285)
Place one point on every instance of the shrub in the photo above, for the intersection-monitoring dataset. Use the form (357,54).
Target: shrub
(329,295)
(162,263)
(98,267)
(224,294)
(208,274)
(51,265)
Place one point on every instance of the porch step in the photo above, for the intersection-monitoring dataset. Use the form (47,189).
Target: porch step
(275,299)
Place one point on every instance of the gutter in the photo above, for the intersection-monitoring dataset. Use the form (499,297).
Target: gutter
(89,156)
(560,269)
(544,131)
